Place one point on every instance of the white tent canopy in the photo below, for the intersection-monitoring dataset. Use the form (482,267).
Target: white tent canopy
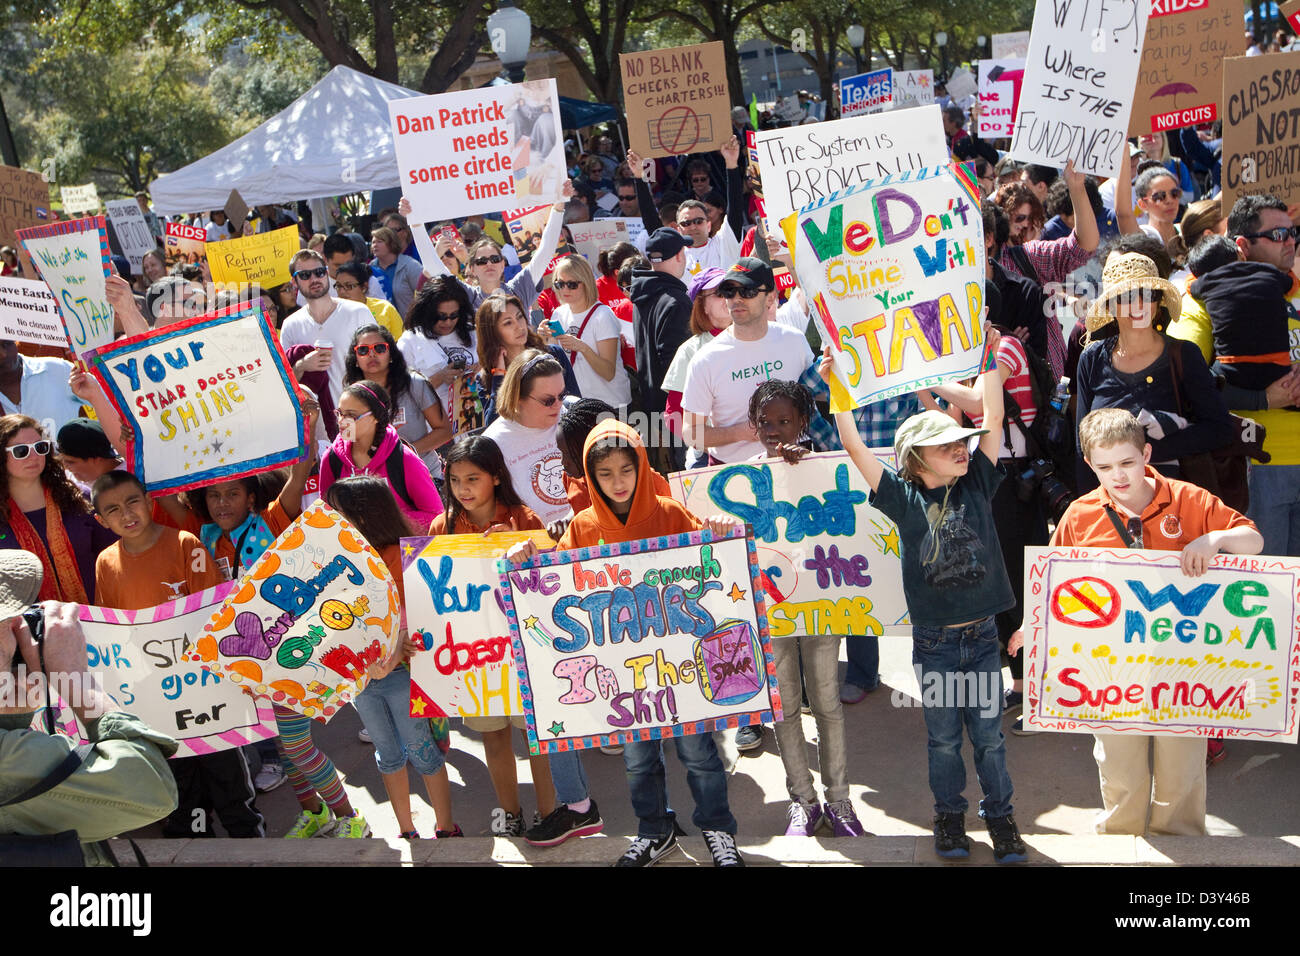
(333,140)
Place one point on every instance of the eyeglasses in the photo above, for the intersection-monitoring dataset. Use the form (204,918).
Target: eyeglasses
(379,348)
(484,260)
(731,291)
(697,221)
(626,198)
(318,273)
(1174,193)
(20,452)
(547,402)
(1280,234)
(567,283)
(345,416)
(349,287)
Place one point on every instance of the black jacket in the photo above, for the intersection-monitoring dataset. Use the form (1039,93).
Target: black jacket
(661,322)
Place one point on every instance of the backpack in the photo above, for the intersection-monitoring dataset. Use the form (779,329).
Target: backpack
(1052,431)
(393,466)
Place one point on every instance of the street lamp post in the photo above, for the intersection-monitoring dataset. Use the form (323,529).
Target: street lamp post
(941,41)
(510,31)
(979,42)
(857,35)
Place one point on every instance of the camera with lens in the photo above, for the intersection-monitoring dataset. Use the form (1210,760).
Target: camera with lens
(1038,478)
(458,362)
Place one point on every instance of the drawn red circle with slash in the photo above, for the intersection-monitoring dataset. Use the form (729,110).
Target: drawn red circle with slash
(1089,611)
(683,141)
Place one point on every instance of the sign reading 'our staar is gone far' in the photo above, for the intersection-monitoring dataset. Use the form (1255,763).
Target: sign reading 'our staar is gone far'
(641,640)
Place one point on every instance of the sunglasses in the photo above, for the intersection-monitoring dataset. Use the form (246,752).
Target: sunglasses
(1020,220)
(1280,234)
(626,198)
(697,221)
(1174,193)
(547,402)
(379,348)
(731,291)
(449,255)
(20,452)
(318,273)
(484,260)
(567,283)
(1137,297)
(346,416)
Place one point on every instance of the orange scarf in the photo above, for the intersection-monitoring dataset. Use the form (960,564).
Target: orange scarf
(62,580)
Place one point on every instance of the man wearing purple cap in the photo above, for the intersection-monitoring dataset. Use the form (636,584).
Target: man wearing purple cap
(661,322)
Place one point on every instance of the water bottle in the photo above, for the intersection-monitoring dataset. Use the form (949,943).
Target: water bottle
(1060,399)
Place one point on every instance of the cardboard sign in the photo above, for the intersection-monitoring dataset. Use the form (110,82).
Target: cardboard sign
(591,238)
(829,563)
(78,199)
(1122,641)
(140,656)
(236,209)
(261,259)
(867,93)
(1291,10)
(676,99)
(72,257)
(1010,45)
(1181,77)
(997,97)
(477,151)
(525,228)
(639,641)
(133,234)
(307,620)
(913,88)
(1260,136)
(894,271)
(454,607)
(28,313)
(24,201)
(208,399)
(961,84)
(183,245)
(1079,79)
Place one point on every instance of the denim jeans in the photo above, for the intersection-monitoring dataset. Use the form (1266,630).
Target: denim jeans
(399,738)
(864,660)
(960,673)
(1275,507)
(568,776)
(644,760)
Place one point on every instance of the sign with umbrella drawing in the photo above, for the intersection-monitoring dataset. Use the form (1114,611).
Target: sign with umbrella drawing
(1180,81)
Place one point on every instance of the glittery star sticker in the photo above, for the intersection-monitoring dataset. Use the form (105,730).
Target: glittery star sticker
(556,728)
(229,433)
(530,621)
(736,593)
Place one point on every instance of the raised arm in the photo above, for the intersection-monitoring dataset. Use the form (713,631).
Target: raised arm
(862,456)
(550,240)
(991,383)
(735,187)
(644,198)
(1085,220)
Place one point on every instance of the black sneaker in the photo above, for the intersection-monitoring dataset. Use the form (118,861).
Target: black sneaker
(723,847)
(950,840)
(1007,845)
(749,737)
(564,823)
(1012,701)
(645,851)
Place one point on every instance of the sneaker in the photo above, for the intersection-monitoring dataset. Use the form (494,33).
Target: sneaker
(1012,700)
(950,840)
(1007,845)
(1019,728)
(647,852)
(612,749)
(564,823)
(363,735)
(511,825)
(853,694)
(409,835)
(723,847)
(805,818)
(448,834)
(843,819)
(269,777)
(749,737)
(1214,751)
(354,827)
(309,825)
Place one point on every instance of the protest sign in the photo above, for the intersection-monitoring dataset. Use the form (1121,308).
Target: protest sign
(1181,77)
(828,562)
(913,88)
(1291,10)
(72,258)
(525,227)
(997,97)
(133,234)
(1122,641)
(261,259)
(207,399)
(140,656)
(454,608)
(1261,139)
(677,99)
(1080,75)
(867,93)
(894,271)
(79,199)
(481,150)
(591,237)
(1010,45)
(307,620)
(961,84)
(235,208)
(28,313)
(183,245)
(640,640)
(24,201)
(467,401)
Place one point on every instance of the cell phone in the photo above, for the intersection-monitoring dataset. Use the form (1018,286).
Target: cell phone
(555,327)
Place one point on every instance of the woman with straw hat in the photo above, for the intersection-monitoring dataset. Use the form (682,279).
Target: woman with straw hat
(1130,363)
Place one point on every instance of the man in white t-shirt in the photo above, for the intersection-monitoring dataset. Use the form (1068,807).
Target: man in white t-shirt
(715,400)
(324,319)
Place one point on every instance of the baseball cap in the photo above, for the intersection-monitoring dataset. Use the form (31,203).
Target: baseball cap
(750,272)
(664,243)
(708,279)
(929,428)
(84,438)
(20,581)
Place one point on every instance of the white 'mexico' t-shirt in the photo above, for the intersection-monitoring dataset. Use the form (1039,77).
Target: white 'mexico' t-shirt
(726,371)
(720,252)
(533,460)
(338,328)
(601,326)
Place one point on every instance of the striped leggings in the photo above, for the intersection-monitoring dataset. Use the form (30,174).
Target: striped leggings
(309,771)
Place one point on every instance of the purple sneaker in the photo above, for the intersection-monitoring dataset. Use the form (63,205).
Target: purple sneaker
(843,820)
(805,818)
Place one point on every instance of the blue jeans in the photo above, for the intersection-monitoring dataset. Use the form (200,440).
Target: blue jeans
(568,776)
(644,760)
(864,661)
(960,673)
(1275,507)
(399,738)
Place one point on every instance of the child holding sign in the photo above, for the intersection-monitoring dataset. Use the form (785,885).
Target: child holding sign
(955,583)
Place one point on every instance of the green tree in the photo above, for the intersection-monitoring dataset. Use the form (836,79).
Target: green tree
(723,20)
(590,35)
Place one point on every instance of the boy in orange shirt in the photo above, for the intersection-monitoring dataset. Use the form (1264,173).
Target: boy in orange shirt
(1135,506)
(149,565)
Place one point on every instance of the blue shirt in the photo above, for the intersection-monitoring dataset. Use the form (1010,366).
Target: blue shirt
(45,394)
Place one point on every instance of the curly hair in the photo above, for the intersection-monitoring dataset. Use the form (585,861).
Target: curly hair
(423,315)
(1014,195)
(795,393)
(54,479)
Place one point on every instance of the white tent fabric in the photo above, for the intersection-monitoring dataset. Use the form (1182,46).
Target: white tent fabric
(334,139)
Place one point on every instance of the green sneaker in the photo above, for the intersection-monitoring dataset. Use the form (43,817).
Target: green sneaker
(311,824)
(351,828)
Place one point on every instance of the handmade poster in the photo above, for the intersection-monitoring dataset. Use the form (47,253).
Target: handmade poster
(467,401)
(133,234)
(525,227)
(307,620)
(591,238)
(1261,139)
(676,99)
(72,257)
(1121,641)
(894,272)
(1014,45)
(640,641)
(235,208)
(183,245)
(455,610)
(828,562)
(1291,10)
(961,84)
(997,97)
(913,88)
(28,313)
(261,259)
(24,201)
(480,150)
(1180,79)
(867,93)
(1079,80)
(140,657)
(207,399)
(79,199)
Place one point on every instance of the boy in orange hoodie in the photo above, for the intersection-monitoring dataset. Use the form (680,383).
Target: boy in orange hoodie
(624,507)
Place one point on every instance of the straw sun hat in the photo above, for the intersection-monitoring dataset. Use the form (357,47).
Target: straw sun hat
(1123,273)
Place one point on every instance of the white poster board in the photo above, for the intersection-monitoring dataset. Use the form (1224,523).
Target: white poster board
(28,313)
(132,231)
(997,98)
